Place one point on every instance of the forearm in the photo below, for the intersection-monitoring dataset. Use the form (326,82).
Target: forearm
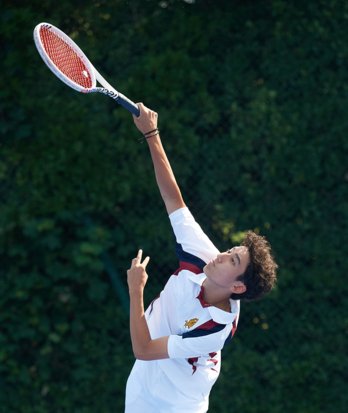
(144,348)
(165,178)
(146,122)
(139,330)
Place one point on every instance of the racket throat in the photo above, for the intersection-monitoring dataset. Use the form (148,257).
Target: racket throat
(106,88)
(109,92)
(122,100)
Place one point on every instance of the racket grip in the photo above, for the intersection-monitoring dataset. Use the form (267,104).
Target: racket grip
(128,104)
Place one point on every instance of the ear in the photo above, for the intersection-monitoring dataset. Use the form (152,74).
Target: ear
(238,287)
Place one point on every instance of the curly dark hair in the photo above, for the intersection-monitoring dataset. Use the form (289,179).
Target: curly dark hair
(260,275)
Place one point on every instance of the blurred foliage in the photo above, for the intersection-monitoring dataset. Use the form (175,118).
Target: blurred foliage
(253,98)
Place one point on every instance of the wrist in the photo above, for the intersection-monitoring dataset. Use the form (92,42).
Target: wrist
(151,133)
(136,292)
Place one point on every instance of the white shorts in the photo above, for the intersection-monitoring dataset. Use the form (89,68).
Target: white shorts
(150,391)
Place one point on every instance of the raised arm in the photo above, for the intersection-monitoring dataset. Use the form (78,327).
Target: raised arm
(169,189)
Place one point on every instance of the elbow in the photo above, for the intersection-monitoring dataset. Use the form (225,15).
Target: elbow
(141,354)
(172,204)
(146,354)
(152,350)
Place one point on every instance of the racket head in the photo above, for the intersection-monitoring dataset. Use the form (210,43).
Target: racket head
(64,58)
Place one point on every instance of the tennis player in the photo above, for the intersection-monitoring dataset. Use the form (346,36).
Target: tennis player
(177,341)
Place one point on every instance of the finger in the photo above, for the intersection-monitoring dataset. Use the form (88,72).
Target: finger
(141,108)
(146,261)
(140,254)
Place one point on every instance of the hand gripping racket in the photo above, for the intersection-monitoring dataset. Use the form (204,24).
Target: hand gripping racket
(68,62)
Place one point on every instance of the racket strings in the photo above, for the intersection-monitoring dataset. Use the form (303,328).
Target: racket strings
(65,58)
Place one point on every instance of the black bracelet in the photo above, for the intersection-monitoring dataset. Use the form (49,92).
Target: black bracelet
(151,131)
(150,136)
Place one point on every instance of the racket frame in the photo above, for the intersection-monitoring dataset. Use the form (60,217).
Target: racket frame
(95,76)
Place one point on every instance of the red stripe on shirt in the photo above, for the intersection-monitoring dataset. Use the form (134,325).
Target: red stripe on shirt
(183,265)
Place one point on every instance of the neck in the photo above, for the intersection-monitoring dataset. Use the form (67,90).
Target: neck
(216,296)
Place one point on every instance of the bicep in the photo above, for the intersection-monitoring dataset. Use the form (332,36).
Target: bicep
(196,346)
(177,346)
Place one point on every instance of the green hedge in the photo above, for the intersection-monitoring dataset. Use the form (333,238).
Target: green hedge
(252,98)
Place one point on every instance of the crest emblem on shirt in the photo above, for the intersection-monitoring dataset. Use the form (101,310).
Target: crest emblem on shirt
(190,323)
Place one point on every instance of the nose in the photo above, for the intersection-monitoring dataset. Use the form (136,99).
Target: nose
(220,257)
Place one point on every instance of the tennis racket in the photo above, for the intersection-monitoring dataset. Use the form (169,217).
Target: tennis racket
(68,62)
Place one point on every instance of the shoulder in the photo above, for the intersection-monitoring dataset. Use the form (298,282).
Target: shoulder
(185,283)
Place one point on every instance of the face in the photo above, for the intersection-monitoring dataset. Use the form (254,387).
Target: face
(227,267)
